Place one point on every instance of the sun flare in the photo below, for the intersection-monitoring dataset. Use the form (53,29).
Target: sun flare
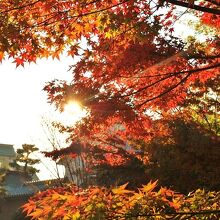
(72,113)
(73,107)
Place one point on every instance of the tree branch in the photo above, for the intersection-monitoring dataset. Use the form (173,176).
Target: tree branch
(75,16)
(166,91)
(20,7)
(214,2)
(195,7)
(203,57)
(180,72)
(169,76)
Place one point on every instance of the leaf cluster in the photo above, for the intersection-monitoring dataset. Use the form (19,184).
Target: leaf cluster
(120,203)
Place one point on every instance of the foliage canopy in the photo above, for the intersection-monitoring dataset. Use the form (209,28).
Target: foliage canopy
(131,65)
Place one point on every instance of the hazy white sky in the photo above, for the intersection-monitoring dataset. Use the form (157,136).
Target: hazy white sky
(22,100)
(23,103)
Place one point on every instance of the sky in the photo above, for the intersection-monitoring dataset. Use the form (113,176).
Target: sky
(23,103)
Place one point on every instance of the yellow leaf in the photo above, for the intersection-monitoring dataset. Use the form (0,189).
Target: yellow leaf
(76,216)
(88,208)
(36,214)
(149,187)
(108,35)
(121,190)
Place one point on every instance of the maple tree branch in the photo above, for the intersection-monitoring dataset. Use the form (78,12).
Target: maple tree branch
(203,57)
(20,7)
(66,11)
(214,2)
(146,87)
(76,16)
(137,23)
(200,69)
(166,91)
(180,72)
(167,77)
(92,2)
(46,21)
(100,10)
(195,7)
(119,148)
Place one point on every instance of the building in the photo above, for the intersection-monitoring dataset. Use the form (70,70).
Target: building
(18,186)
(74,169)
(7,155)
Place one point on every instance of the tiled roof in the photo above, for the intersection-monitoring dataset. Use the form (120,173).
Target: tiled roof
(7,150)
(24,189)
(16,184)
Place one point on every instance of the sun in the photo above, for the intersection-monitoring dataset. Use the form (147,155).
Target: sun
(73,108)
(72,113)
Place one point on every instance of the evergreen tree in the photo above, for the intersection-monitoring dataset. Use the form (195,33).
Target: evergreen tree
(24,157)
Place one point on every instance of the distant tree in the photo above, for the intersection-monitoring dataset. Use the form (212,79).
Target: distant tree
(203,104)
(186,158)
(183,154)
(27,162)
(133,171)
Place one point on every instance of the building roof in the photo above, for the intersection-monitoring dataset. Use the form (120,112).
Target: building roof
(17,184)
(25,189)
(7,150)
